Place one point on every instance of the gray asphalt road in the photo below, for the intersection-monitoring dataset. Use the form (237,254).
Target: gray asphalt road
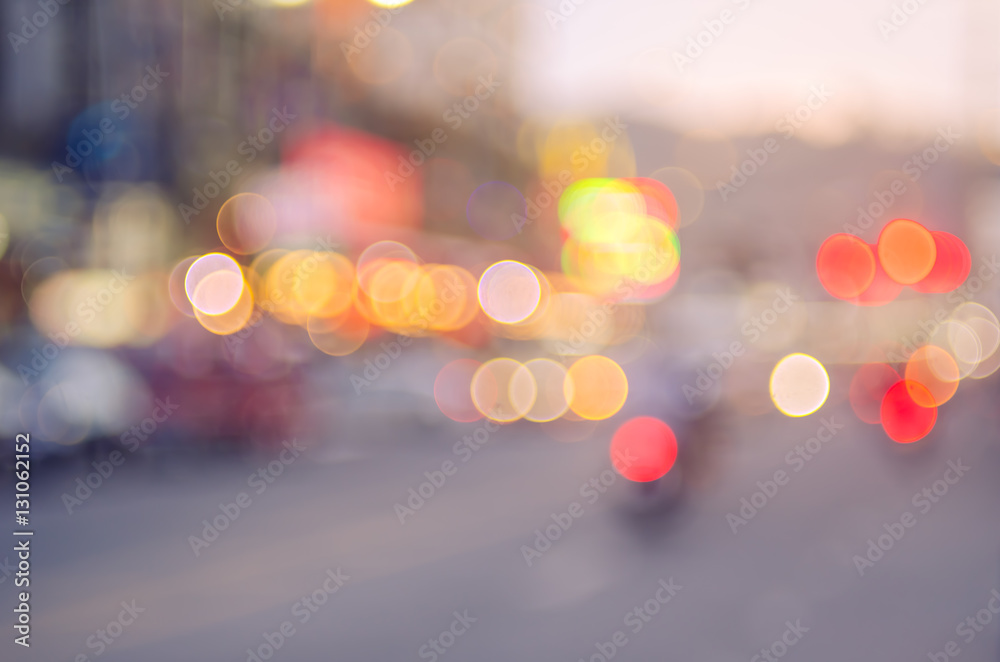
(405,591)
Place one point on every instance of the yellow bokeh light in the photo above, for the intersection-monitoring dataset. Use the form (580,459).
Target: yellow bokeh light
(92,307)
(338,335)
(444,300)
(324,286)
(551,401)
(232,319)
(595,388)
(503,390)
(614,247)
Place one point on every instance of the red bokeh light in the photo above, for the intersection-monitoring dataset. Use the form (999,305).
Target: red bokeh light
(845,265)
(643,449)
(346,174)
(660,201)
(903,419)
(951,267)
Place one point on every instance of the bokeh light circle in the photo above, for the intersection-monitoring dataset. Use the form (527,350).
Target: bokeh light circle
(231,319)
(868,388)
(175,286)
(338,335)
(643,449)
(932,376)
(596,388)
(845,265)
(503,390)
(214,283)
(961,342)
(981,321)
(799,385)
(952,265)
(906,250)
(882,289)
(246,223)
(903,419)
(387,272)
(509,292)
(453,390)
(551,401)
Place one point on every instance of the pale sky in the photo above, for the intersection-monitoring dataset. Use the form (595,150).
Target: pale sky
(616,55)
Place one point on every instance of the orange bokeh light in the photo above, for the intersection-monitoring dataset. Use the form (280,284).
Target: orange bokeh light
(906,250)
(596,388)
(936,371)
